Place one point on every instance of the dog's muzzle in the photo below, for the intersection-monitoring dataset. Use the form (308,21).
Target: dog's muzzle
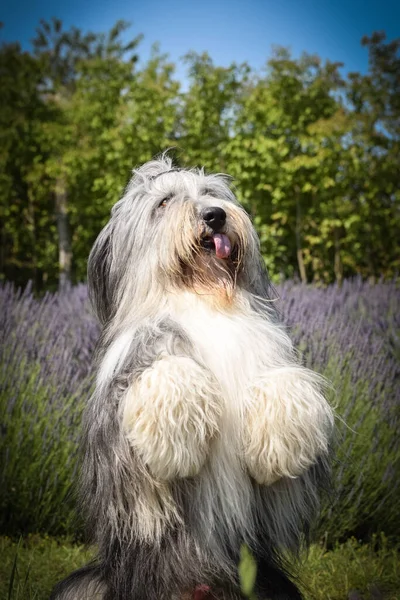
(215,217)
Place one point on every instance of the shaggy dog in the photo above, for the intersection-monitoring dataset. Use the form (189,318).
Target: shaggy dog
(204,432)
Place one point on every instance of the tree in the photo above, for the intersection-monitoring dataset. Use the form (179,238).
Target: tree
(375,147)
(314,157)
(274,155)
(61,53)
(24,189)
(120,119)
(208,111)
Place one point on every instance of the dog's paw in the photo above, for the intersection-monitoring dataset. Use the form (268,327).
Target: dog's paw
(170,414)
(288,424)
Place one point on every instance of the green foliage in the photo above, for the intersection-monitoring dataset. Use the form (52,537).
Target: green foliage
(247,572)
(280,165)
(26,228)
(208,111)
(315,157)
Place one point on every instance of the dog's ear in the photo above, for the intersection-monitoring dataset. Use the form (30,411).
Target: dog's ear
(100,293)
(262,283)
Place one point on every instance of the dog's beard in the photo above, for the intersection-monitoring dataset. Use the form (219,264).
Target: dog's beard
(208,275)
(197,258)
(213,267)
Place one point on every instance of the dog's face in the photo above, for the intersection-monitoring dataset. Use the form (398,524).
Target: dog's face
(200,232)
(173,229)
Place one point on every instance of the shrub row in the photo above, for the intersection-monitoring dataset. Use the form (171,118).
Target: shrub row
(350,334)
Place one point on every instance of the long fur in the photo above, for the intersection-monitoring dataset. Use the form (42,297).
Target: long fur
(205,431)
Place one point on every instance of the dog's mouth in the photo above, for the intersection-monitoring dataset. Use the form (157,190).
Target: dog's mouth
(218,243)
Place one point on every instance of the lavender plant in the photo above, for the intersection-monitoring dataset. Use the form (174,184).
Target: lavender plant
(351,334)
(46,347)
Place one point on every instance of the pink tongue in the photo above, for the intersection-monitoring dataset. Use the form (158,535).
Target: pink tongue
(222,245)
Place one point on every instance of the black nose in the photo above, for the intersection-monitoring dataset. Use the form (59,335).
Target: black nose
(215,217)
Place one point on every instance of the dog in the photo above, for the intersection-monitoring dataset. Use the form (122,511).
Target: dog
(204,433)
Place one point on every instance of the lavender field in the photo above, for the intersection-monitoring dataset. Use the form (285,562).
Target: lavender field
(350,334)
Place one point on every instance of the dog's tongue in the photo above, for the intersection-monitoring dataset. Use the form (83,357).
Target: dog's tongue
(222,245)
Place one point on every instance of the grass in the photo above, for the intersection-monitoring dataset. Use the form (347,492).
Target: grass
(372,570)
(29,569)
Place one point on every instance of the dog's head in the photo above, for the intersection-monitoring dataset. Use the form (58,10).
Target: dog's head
(173,228)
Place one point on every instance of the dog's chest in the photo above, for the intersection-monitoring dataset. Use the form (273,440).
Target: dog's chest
(229,343)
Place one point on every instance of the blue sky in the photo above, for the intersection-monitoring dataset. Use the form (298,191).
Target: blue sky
(229,30)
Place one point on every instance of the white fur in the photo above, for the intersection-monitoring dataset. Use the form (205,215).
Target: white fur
(275,423)
(286,424)
(170,416)
(114,357)
(264,414)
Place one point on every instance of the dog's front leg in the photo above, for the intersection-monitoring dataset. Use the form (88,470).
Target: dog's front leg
(288,424)
(170,414)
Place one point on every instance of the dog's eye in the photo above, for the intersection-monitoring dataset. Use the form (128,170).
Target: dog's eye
(165,201)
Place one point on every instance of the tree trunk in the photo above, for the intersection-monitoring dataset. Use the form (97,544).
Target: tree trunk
(2,249)
(338,266)
(64,239)
(32,223)
(300,258)
(302,268)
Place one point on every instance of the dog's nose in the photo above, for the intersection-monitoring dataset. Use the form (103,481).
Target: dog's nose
(215,217)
